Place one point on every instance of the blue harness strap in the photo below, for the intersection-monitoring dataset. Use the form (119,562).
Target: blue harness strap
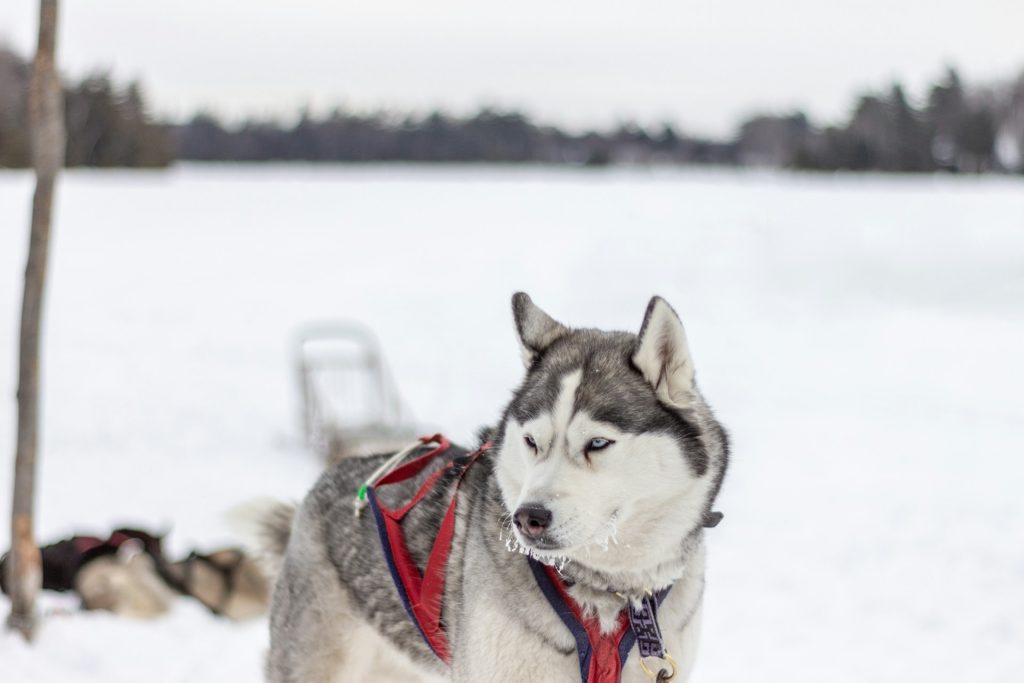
(568,617)
(601,656)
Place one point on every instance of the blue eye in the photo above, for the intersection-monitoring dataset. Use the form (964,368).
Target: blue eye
(530,442)
(598,444)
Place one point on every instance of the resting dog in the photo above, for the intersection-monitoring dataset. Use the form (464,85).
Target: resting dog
(577,533)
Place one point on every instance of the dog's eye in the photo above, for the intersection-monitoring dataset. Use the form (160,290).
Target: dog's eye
(598,444)
(530,442)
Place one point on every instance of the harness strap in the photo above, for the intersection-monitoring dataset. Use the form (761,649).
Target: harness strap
(422,595)
(602,656)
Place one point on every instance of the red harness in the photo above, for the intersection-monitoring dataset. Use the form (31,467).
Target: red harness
(422,594)
(601,656)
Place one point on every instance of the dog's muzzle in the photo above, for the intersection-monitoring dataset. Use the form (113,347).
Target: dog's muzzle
(532,521)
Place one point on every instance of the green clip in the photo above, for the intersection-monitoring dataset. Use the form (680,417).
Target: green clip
(362,492)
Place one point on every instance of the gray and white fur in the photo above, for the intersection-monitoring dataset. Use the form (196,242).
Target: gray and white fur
(605,464)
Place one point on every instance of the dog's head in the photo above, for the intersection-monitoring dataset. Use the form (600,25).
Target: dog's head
(607,454)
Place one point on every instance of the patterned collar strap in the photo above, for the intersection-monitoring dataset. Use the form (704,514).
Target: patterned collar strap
(643,620)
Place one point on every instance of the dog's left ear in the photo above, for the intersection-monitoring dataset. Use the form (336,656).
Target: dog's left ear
(537,330)
(663,356)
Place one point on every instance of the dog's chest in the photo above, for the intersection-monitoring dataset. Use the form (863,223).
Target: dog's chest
(498,644)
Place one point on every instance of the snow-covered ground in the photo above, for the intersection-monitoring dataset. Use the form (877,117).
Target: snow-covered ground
(861,336)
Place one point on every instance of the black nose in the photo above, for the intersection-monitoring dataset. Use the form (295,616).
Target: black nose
(532,520)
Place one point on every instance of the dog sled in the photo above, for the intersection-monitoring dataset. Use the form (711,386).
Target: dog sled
(349,403)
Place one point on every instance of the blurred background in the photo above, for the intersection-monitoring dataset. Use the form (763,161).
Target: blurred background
(287,230)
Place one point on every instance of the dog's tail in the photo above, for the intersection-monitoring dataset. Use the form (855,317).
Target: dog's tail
(265,526)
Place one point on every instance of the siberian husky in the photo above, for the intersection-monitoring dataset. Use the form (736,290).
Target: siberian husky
(604,465)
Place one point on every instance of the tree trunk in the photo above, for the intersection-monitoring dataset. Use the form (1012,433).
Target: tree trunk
(46,122)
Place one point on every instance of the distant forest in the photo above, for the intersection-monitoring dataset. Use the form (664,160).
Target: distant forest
(958,128)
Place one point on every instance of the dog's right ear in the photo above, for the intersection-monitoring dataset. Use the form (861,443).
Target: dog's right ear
(536,329)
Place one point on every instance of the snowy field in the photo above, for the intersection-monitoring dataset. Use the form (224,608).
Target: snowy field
(861,337)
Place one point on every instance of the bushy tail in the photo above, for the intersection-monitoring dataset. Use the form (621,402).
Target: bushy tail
(265,525)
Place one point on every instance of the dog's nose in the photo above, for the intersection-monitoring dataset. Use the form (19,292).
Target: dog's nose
(532,520)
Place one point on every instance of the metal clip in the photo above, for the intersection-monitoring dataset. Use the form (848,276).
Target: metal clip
(662,676)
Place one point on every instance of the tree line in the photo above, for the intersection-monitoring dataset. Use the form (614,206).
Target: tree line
(107,124)
(957,127)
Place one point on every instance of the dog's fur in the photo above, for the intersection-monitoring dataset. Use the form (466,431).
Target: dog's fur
(609,433)
(227,581)
(126,584)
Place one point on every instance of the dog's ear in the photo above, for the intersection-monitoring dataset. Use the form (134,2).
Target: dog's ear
(536,329)
(663,356)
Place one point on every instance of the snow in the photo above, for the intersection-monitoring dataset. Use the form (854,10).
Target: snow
(860,336)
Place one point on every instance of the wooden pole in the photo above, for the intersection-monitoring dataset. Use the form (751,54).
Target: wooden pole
(46,124)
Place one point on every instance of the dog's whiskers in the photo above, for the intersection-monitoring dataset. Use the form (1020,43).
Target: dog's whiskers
(612,535)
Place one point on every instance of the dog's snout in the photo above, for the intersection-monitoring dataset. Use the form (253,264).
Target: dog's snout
(532,520)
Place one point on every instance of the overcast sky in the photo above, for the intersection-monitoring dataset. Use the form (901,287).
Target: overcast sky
(702,64)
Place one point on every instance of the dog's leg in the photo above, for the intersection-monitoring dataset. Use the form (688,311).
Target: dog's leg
(688,648)
(310,623)
(323,641)
(315,634)
(307,643)
(688,599)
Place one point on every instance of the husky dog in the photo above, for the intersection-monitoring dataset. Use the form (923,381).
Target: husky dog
(605,465)
(227,581)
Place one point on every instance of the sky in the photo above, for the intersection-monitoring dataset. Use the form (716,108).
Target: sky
(700,64)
